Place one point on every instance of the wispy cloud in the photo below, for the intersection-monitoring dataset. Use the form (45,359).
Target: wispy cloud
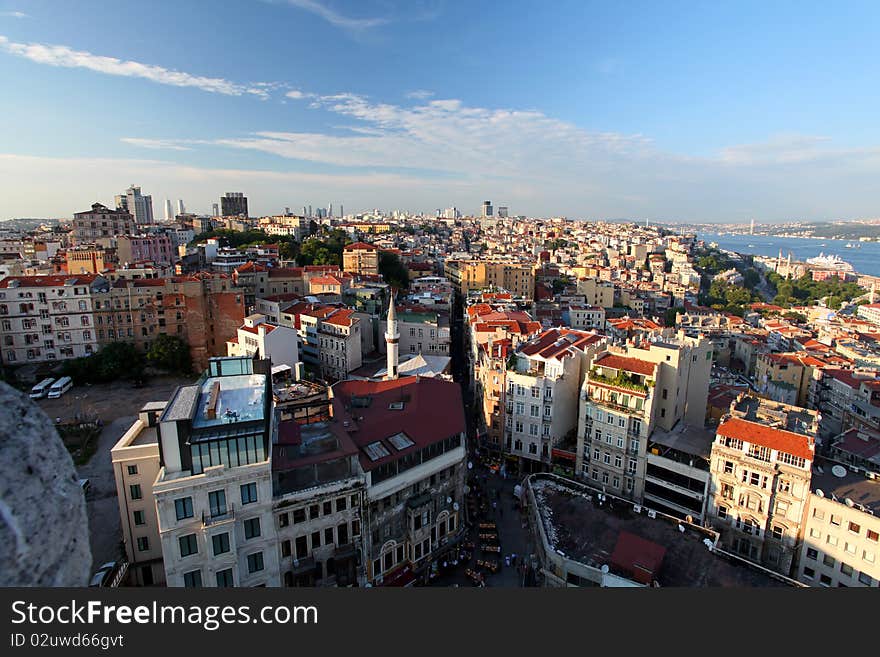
(14,14)
(55,55)
(419,94)
(158,144)
(336,18)
(296,94)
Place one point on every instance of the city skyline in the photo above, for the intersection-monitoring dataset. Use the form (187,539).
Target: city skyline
(726,115)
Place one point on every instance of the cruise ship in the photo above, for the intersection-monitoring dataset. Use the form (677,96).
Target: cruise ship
(830,262)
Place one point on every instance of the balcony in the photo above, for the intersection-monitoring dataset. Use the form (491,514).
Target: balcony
(209,520)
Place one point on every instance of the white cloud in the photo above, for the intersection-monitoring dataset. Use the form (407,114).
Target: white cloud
(14,14)
(335,18)
(54,55)
(420,94)
(157,144)
(296,94)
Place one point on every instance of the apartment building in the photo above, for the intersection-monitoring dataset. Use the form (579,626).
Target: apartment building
(410,433)
(587,318)
(628,391)
(423,330)
(213,492)
(467,275)
(47,318)
(759,490)
(135,458)
(596,291)
(541,391)
(787,377)
(84,260)
(157,248)
(100,224)
(340,344)
(258,338)
(361,258)
(841,537)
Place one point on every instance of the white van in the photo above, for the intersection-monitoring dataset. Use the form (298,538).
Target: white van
(61,386)
(42,388)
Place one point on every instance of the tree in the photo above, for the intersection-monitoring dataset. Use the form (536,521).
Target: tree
(393,270)
(170,353)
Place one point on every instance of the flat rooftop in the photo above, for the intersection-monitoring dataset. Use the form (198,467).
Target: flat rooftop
(851,485)
(146,436)
(771,413)
(686,439)
(587,530)
(241,400)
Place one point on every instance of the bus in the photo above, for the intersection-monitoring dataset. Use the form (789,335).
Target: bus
(61,386)
(39,391)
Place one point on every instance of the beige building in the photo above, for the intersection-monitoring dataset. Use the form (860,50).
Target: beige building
(135,459)
(467,275)
(841,542)
(361,258)
(759,490)
(101,224)
(597,292)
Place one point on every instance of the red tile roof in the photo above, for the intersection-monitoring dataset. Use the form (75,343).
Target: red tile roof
(627,364)
(341,317)
(557,343)
(865,444)
(433,411)
(759,434)
(361,246)
(48,281)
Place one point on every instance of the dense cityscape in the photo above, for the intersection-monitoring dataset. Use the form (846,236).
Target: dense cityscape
(466,398)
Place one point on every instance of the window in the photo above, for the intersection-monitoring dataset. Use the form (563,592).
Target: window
(302,546)
(299,515)
(825,580)
(188,545)
(778,532)
(850,547)
(285,548)
(854,528)
(220,543)
(328,536)
(872,536)
(828,561)
(835,520)
(183,507)
(217,503)
(192,579)
(249,493)
(846,569)
(143,543)
(132,470)
(139,518)
(135,491)
(722,511)
(314,511)
(818,514)
(341,504)
(251,528)
(224,578)
(868,556)
(809,573)
(255,562)
(831,540)
(812,554)
(866,579)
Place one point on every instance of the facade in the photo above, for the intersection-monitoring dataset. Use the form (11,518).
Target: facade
(101,223)
(258,338)
(213,492)
(361,258)
(586,317)
(467,275)
(759,490)
(135,458)
(84,260)
(140,207)
(597,292)
(233,204)
(423,330)
(157,248)
(48,318)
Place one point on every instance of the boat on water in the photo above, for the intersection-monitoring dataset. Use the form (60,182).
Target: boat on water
(848,245)
(830,262)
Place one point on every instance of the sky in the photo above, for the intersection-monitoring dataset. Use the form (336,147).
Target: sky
(668,111)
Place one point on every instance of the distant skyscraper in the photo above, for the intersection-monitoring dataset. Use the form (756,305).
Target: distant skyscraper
(502,211)
(330,210)
(169,213)
(139,206)
(341,213)
(181,209)
(487,208)
(234,204)
(215,210)
(310,210)
(286,211)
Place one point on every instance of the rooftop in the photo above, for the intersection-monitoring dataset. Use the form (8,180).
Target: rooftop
(240,399)
(685,438)
(758,434)
(612,533)
(851,485)
(626,364)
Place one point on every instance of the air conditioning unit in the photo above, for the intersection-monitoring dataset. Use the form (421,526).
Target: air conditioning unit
(652,513)
(637,508)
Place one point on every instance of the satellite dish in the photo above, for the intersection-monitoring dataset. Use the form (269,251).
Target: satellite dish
(470,465)
(849,502)
(467,489)
(838,471)
(455,506)
(605,568)
(819,492)
(448,500)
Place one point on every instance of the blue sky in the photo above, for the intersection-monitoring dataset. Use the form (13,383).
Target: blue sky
(662,110)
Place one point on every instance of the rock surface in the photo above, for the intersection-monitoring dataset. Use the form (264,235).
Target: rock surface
(44,538)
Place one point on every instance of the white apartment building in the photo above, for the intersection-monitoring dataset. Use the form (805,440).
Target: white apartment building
(213,492)
(45,318)
(258,337)
(541,394)
(588,318)
(135,458)
(422,331)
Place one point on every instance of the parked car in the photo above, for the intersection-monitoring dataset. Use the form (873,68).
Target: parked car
(104,574)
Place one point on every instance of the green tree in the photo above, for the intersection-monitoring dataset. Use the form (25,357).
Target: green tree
(170,353)
(392,270)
